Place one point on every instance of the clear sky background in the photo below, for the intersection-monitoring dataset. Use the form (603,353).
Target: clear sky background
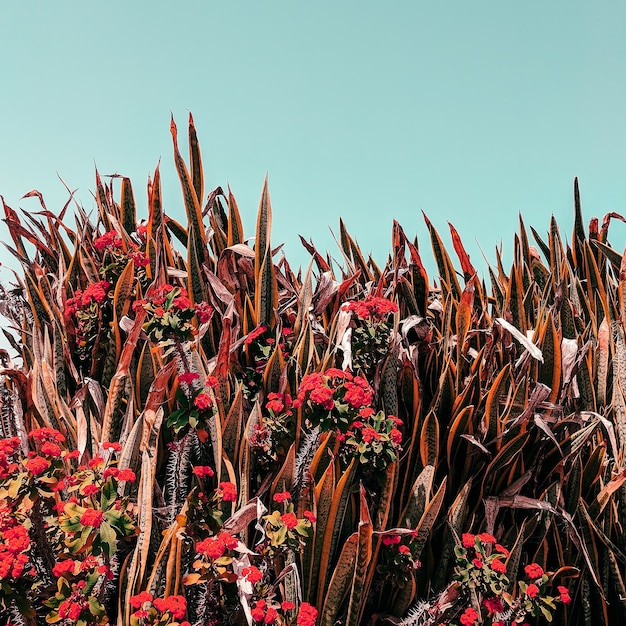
(469,111)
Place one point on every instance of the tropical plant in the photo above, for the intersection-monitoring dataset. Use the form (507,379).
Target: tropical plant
(311,445)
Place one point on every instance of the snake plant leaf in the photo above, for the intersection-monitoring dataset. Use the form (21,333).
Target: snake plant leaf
(324,497)
(235,226)
(468,269)
(358,596)
(195,160)
(340,581)
(192,202)
(447,272)
(334,523)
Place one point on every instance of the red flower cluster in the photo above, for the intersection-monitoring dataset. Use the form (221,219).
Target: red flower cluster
(282,496)
(15,542)
(95,293)
(534,571)
(279,403)
(176,606)
(110,239)
(373,308)
(307,615)
(227,491)
(255,334)
(334,391)
(203,470)
(91,517)
(469,617)
(215,547)
(252,574)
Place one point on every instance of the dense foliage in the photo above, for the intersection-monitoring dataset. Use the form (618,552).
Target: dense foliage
(202,435)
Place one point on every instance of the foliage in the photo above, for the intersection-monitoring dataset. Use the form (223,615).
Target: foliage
(316,446)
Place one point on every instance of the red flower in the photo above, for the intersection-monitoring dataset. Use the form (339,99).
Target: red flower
(493,605)
(281,496)
(469,616)
(212,547)
(270,616)
(50,449)
(390,540)
(404,549)
(468,540)
(46,434)
(498,566)
(532,590)
(109,239)
(502,550)
(176,606)
(90,490)
(257,332)
(204,312)
(63,567)
(477,563)
(16,539)
(253,574)
(228,491)
(188,377)
(486,538)
(37,465)
(203,470)
(91,517)
(257,614)
(289,520)
(307,615)
(110,471)
(308,515)
(228,540)
(203,401)
(112,445)
(565,597)
(95,462)
(127,475)
(182,302)
(533,570)
(287,606)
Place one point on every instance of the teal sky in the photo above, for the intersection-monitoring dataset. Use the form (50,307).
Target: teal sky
(469,111)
